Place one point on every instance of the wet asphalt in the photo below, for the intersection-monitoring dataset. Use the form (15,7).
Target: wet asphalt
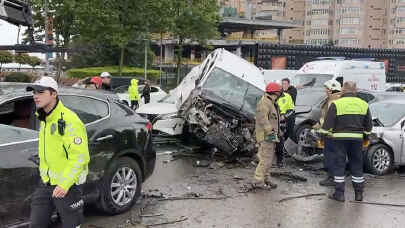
(223,202)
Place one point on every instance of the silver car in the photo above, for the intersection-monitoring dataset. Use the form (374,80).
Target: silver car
(387,145)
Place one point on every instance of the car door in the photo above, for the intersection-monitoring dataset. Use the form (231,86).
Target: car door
(18,173)
(102,138)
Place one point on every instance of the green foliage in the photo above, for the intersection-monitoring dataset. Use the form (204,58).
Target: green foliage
(113,70)
(34,61)
(22,58)
(17,77)
(6,57)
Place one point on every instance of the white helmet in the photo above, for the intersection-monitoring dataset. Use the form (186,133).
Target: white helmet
(333,85)
(105,75)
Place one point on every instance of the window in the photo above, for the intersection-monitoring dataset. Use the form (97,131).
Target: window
(349,42)
(88,109)
(351,20)
(351,10)
(319,22)
(346,31)
(154,89)
(227,89)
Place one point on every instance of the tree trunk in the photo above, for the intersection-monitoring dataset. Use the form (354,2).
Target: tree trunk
(121,60)
(179,56)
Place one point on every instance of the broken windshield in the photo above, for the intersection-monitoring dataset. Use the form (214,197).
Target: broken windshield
(232,90)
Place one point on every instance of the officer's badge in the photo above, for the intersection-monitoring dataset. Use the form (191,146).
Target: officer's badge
(77,140)
(53,128)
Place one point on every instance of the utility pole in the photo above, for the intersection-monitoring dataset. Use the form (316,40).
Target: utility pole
(46,35)
(146,57)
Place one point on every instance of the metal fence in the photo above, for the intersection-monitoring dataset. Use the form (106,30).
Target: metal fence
(168,78)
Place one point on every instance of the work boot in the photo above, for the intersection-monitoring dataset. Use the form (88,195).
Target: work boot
(358,191)
(328,181)
(259,184)
(269,183)
(339,194)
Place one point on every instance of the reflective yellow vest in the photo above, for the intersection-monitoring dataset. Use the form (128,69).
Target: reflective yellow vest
(63,159)
(285,103)
(133,90)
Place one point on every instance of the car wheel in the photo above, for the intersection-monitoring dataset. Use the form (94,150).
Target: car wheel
(301,135)
(379,159)
(121,186)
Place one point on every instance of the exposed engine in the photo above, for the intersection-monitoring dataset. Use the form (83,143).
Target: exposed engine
(221,127)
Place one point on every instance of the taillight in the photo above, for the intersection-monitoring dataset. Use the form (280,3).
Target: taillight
(149,126)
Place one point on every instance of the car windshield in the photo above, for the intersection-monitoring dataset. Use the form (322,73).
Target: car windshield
(312,80)
(309,96)
(168,99)
(387,112)
(232,90)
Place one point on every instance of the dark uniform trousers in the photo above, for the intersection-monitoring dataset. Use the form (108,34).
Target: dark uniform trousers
(352,149)
(329,152)
(69,208)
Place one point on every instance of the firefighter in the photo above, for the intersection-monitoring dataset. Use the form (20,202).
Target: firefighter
(134,94)
(267,135)
(348,122)
(63,159)
(333,92)
(286,106)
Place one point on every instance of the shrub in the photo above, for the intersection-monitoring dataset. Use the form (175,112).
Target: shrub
(17,77)
(113,70)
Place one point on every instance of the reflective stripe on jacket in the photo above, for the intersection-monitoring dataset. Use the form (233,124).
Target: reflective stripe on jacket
(285,103)
(133,90)
(63,159)
(348,118)
(267,118)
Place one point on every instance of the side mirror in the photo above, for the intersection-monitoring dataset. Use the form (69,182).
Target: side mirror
(402,124)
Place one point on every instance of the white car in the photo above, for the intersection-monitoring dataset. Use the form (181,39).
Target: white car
(163,115)
(156,94)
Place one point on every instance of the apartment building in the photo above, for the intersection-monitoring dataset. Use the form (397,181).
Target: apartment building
(319,20)
(395,33)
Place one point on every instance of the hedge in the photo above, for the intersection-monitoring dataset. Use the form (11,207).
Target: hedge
(113,70)
(17,77)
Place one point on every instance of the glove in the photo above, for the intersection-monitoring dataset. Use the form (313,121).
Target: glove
(272,138)
(366,137)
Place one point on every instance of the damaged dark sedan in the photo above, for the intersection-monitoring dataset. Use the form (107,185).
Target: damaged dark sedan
(120,146)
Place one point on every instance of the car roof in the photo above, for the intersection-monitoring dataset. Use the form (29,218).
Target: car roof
(9,90)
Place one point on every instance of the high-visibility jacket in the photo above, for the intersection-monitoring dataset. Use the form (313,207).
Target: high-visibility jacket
(348,118)
(325,107)
(63,152)
(133,90)
(285,103)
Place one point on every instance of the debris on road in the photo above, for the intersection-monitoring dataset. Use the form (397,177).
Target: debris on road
(290,176)
(194,198)
(202,163)
(151,215)
(181,219)
(301,196)
(378,204)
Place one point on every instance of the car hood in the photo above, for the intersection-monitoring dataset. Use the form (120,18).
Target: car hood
(157,108)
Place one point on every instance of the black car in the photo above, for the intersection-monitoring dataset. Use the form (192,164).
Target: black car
(120,148)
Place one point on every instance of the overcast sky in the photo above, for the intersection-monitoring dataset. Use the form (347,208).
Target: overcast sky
(8,35)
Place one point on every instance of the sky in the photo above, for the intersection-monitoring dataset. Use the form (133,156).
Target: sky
(8,36)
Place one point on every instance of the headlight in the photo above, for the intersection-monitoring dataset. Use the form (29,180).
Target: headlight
(167,116)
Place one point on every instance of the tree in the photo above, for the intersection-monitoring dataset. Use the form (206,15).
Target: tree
(115,22)
(194,20)
(5,57)
(34,61)
(22,58)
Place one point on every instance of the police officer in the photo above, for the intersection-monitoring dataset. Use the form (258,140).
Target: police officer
(146,92)
(286,107)
(134,94)
(106,81)
(267,134)
(333,92)
(348,122)
(63,159)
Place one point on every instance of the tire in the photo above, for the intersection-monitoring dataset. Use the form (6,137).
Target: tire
(379,159)
(300,132)
(110,201)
